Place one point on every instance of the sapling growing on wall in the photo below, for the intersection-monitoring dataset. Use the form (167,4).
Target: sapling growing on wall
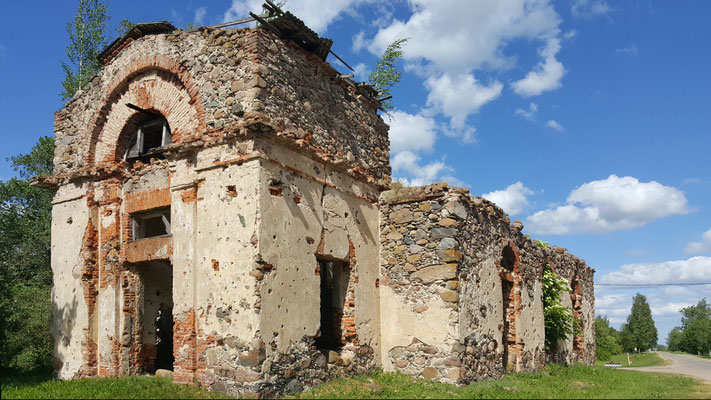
(386,75)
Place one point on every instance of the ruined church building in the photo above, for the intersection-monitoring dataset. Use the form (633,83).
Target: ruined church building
(223,210)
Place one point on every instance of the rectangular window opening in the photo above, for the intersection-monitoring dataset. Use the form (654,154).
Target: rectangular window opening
(149,138)
(151,224)
(334,285)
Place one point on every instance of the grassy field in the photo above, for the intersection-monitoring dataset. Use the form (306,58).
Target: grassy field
(582,382)
(638,360)
(555,382)
(41,386)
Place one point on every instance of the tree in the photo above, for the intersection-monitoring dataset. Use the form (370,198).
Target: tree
(125,26)
(640,331)
(674,339)
(386,75)
(25,273)
(696,328)
(86,40)
(606,339)
(625,339)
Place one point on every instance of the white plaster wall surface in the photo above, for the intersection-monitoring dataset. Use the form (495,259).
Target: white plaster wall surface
(400,325)
(531,324)
(227,219)
(289,236)
(70,216)
(183,229)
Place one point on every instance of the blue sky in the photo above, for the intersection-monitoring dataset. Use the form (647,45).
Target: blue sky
(586,119)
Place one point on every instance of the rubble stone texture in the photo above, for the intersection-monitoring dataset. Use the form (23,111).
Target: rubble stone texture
(274,177)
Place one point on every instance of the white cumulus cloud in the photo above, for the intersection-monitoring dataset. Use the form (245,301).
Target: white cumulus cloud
(451,40)
(529,114)
(555,125)
(316,14)
(704,246)
(545,76)
(200,16)
(411,132)
(409,163)
(692,270)
(459,96)
(512,199)
(589,8)
(615,203)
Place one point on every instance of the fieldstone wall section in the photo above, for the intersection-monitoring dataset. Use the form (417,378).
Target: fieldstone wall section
(443,249)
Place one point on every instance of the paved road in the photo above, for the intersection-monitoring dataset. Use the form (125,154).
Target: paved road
(682,364)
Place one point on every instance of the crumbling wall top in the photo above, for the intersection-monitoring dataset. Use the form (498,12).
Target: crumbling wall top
(218,85)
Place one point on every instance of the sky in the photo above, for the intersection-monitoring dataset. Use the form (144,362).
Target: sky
(588,120)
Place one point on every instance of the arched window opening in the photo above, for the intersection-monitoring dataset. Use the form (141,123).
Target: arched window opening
(508,259)
(148,136)
(576,297)
(509,293)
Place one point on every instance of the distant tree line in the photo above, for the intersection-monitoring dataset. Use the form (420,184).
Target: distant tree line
(694,334)
(638,334)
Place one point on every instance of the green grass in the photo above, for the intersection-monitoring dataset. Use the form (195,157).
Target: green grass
(638,360)
(556,382)
(41,386)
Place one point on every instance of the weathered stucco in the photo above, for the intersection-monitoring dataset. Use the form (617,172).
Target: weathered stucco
(272,186)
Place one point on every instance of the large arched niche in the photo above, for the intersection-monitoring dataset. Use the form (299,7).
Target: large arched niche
(164,89)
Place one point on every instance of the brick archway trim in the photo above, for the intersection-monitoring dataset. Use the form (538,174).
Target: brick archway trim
(121,81)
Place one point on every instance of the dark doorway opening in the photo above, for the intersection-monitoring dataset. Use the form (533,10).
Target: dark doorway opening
(157,318)
(507,295)
(334,283)
(164,338)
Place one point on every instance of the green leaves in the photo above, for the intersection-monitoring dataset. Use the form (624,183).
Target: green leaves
(694,335)
(86,40)
(606,339)
(386,75)
(558,319)
(639,333)
(25,273)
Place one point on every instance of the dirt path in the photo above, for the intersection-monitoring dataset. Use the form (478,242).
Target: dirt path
(682,364)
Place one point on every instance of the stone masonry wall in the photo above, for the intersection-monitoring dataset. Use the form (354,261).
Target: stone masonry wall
(214,83)
(446,250)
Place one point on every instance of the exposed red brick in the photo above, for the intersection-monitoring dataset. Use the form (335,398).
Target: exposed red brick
(147,200)
(148,249)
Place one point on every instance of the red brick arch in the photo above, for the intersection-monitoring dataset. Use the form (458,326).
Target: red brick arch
(120,84)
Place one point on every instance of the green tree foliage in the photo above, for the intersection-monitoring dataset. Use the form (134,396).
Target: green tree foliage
(125,26)
(606,339)
(639,333)
(386,75)
(694,335)
(674,339)
(558,319)
(86,40)
(25,273)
